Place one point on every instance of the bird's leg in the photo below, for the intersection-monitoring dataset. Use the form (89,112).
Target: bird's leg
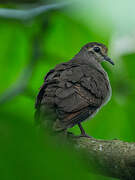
(83,133)
(81,129)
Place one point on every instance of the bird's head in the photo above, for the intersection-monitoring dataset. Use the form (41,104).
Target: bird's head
(98,50)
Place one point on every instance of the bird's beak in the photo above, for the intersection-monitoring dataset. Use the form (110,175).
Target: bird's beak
(106,58)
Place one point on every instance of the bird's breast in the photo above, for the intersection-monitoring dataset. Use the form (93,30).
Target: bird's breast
(109,90)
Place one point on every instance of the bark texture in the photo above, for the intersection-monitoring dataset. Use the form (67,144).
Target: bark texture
(112,158)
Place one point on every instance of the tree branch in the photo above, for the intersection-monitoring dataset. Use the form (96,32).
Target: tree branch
(113,158)
(30,13)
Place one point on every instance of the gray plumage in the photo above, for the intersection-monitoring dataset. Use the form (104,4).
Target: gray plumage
(75,90)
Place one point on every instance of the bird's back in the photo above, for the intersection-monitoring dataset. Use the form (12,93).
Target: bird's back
(72,92)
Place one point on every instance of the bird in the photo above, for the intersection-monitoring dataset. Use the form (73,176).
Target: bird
(74,91)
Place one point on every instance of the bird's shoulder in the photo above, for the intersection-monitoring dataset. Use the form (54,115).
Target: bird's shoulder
(96,81)
(65,71)
(55,78)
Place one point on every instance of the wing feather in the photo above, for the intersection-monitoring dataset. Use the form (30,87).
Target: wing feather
(69,88)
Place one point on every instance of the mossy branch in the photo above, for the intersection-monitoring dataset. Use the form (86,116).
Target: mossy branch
(113,158)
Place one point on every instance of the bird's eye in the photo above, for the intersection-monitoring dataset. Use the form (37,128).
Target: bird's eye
(96,49)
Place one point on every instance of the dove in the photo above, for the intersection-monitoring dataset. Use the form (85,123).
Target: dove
(74,91)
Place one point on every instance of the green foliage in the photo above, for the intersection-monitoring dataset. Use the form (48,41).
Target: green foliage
(26,154)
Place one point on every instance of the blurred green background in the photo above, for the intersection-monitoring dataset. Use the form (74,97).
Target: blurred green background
(29,48)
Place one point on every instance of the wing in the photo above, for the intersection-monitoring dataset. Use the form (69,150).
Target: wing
(42,89)
(71,89)
(95,82)
(53,81)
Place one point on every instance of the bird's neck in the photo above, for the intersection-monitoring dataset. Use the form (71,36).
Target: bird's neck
(83,58)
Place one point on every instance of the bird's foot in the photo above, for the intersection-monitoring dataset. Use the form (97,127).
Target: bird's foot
(85,135)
